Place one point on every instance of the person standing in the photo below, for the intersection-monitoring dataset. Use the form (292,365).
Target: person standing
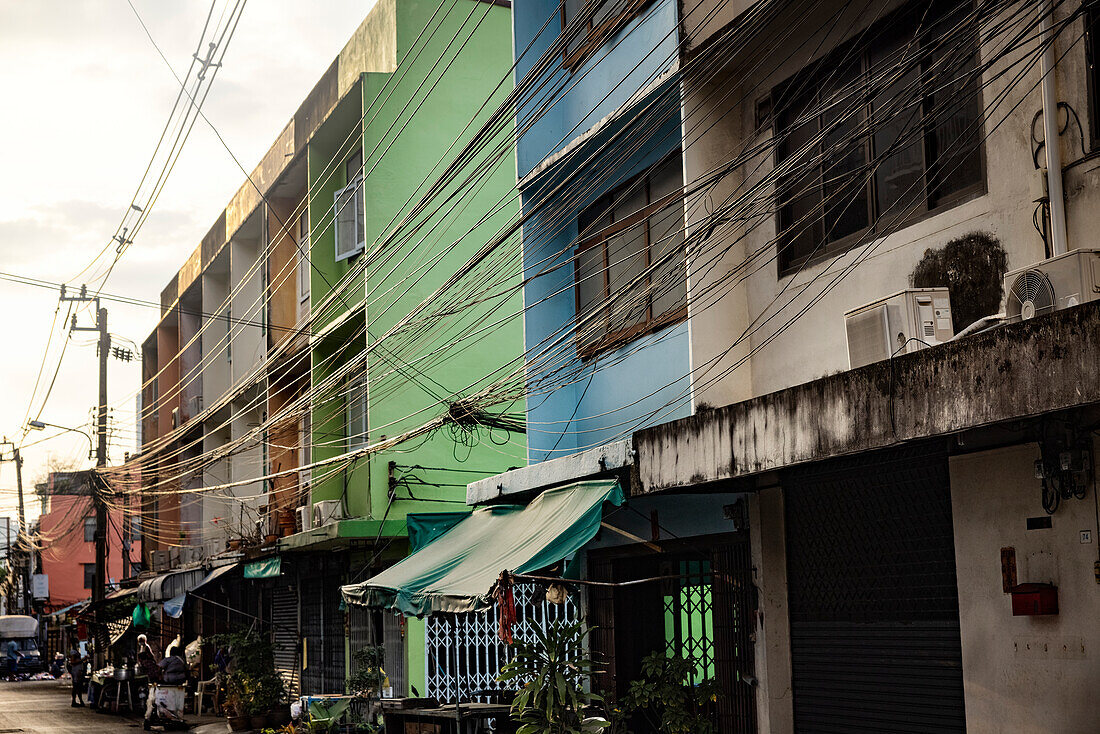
(13,656)
(76,670)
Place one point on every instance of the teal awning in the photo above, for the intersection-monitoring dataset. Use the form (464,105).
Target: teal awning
(456,572)
(424,527)
(265,568)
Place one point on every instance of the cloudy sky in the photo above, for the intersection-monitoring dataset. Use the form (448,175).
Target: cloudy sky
(86,97)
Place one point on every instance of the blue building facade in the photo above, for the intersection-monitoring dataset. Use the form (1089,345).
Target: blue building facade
(601,182)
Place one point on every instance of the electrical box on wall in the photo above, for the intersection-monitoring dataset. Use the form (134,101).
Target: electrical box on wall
(1034,599)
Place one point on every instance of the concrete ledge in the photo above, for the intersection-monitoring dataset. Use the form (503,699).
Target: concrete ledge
(546,474)
(1017,371)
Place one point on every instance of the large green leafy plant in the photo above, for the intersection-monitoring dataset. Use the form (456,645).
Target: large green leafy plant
(666,697)
(551,670)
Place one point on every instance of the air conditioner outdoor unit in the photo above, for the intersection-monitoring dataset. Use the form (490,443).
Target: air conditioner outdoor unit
(904,322)
(1051,285)
(327,511)
(159,560)
(304,516)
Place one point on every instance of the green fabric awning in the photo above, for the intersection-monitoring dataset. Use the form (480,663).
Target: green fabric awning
(424,527)
(265,568)
(458,569)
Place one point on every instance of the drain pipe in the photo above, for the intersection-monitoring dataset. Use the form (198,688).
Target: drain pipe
(1048,63)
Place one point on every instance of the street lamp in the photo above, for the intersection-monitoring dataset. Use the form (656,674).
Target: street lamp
(40,425)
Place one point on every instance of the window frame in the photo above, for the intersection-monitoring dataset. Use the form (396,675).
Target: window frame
(89,583)
(831,249)
(89,523)
(354,189)
(600,238)
(596,36)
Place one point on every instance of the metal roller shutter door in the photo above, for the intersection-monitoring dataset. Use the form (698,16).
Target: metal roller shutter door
(873,600)
(284,619)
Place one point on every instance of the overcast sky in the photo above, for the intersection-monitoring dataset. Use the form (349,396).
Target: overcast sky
(85,98)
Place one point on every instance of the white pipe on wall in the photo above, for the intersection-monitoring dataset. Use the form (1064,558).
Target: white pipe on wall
(1048,64)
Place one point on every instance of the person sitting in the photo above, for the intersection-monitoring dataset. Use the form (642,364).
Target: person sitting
(173,670)
(58,665)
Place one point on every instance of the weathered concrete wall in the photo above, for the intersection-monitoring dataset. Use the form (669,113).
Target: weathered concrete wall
(1024,674)
(1025,369)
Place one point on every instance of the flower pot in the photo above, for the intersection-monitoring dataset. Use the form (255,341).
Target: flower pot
(234,544)
(279,717)
(258,722)
(270,539)
(238,723)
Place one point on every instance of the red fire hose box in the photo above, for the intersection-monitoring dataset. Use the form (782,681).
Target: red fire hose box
(1034,599)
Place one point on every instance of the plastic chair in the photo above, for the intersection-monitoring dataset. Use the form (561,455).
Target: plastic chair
(202,689)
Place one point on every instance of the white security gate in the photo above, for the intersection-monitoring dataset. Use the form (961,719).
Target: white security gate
(465,653)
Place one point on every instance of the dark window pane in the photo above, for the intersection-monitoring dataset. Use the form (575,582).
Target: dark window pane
(590,293)
(954,141)
(595,217)
(799,185)
(844,173)
(629,202)
(573,9)
(667,178)
(898,137)
(626,257)
(668,282)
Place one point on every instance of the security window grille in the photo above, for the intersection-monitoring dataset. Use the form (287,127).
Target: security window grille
(303,257)
(89,575)
(630,273)
(879,133)
(355,402)
(89,529)
(350,210)
(587,24)
(465,653)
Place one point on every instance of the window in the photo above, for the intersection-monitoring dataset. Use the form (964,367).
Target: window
(89,575)
(586,24)
(913,88)
(1092,59)
(135,528)
(303,257)
(89,529)
(355,402)
(350,230)
(630,273)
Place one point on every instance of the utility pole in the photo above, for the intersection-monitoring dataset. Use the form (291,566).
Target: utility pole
(20,536)
(99,587)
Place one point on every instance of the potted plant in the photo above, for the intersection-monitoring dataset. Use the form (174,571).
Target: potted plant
(255,689)
(551,670)
(236,716)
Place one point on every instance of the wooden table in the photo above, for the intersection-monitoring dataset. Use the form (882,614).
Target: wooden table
(466,718)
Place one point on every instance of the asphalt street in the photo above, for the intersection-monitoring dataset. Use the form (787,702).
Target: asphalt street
(42,707)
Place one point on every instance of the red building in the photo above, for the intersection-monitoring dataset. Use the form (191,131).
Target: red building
(67,539)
